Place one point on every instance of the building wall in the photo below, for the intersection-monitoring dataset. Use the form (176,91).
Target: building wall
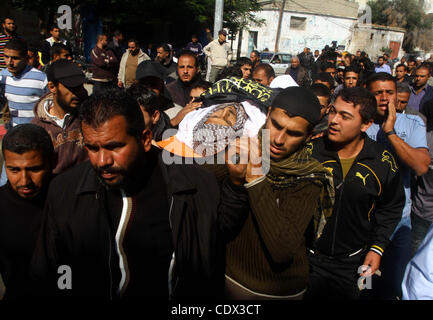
(372,39)
(319,31)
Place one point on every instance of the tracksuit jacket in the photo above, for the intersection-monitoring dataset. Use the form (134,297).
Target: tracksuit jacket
(368,202)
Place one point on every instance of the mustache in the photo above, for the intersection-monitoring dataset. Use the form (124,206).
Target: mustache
(101,170)
(28,186)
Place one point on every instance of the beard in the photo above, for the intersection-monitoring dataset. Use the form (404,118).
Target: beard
(128,177)
(65,106)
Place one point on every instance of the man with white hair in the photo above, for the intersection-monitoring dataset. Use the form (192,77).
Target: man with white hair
(298,72)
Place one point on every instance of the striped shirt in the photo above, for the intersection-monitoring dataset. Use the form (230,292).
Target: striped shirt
(3,40)
(22,92)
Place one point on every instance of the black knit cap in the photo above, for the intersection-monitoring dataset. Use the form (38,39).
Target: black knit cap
(298,101)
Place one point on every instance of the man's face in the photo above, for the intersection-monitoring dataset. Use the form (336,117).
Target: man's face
(32,58)
(294,63)
(358,53)
(55,33)
(186,68)
(14,61)
(132,48)
(246,71)
(381,61)
(194,39)
(9,25)
(223,117)
(261,77)
(316,53)
(411,65)
(196,92)
(104,41)
(345,122)
(69,98)
(162,55)
(331,71)
(324,104)
(400,72)
(385,92)
(64,54)
(287,134)
(340,74)
(222,37)
(350,79)
(254,57)
(114,154)
(421,77)
(27,173)
(402,100)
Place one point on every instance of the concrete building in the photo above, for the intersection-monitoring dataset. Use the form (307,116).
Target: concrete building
(306,23)
(316,23)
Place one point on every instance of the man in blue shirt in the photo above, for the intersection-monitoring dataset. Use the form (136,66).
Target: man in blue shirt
(405,135)
(21,84)
(421,91)
(382,66)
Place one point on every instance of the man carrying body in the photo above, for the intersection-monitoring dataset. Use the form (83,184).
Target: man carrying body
(263,73)
(219,53)
(129,63)
(267,258)
(369,199)
(57,113)
(135,221)
(28,155)
(405,136)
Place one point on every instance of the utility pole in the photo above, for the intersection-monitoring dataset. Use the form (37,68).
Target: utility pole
(218,23)
(277,40)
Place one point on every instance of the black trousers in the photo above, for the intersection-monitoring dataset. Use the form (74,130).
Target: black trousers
(334,278)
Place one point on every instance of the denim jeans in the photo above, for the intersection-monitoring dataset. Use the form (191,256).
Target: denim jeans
(420,227)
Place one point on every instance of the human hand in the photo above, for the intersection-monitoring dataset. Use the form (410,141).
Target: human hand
(191,106)
(389,122)
(372,260)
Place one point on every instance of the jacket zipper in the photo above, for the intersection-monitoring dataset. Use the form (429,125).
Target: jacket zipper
(336,217)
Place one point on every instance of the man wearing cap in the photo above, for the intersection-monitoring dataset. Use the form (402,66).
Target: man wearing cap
(219,53)
(268,258)
(57,113)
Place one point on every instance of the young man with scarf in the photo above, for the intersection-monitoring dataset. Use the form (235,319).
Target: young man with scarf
(369,198)
(276,210)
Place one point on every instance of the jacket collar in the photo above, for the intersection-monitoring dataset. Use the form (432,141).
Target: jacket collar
(89,182)
(367,152)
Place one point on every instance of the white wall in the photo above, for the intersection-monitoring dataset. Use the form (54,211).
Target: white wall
(319,31)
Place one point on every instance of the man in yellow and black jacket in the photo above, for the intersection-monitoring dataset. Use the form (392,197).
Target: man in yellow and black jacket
(369,198)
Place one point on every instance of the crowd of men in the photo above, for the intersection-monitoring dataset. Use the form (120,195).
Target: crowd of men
(334,199)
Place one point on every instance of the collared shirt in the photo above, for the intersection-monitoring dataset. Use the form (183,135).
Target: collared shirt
(47,107)
(411,129)
(22,92)
(383,68)
(415,99)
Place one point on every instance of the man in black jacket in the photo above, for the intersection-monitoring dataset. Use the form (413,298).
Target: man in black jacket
(126,225)
(28,153)
(369,198)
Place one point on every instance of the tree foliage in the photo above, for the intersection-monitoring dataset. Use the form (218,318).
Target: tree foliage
(407,14)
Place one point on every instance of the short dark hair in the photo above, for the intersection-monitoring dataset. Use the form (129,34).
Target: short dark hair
(101,107)
(320,90)
(324,77)
(146,98)
(257,53)
(57,48)
(269,71)
(54,26)
(7,17)
(362,97)
(243,61)
(232,71)
(403,87)
(351,69)
(424,66)
(117,33)
(164,47)
(401,65)
(202,84)
(188,53)
(328,65)
(28,137)
(381,57)
(19,45)
(133,40)
(380,76)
